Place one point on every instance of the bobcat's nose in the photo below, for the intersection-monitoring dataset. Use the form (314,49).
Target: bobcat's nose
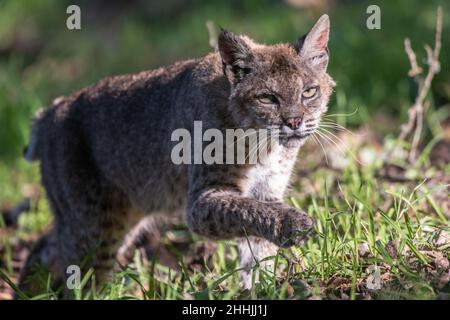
(294,122)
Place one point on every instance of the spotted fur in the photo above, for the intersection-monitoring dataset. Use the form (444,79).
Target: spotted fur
(105,151)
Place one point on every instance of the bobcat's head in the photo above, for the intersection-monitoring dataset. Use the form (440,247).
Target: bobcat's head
(282,87)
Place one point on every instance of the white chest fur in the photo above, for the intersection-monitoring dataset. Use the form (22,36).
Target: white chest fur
(269,179)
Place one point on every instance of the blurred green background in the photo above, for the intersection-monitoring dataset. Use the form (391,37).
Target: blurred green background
(41,59)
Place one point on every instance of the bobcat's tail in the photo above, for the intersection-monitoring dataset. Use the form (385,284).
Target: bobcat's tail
(41,120)
(32,150)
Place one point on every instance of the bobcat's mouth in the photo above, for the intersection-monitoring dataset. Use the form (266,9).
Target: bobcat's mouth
(292,140)
(299,135)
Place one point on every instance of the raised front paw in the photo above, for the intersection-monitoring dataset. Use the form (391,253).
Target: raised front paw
(295,228)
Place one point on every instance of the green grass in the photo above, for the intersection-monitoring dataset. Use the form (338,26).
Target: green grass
(351,207)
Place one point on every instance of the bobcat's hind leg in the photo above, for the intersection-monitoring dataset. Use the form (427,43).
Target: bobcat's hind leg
(41,263)
(90,236)
(150,229)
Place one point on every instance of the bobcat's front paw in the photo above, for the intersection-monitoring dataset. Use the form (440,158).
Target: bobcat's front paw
(296,227)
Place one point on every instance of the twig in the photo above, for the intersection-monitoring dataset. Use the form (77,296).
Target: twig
(416,112)
(433,68)
(415,69)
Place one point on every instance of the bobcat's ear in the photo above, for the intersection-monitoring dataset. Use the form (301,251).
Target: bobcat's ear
(313,47)
(236,55)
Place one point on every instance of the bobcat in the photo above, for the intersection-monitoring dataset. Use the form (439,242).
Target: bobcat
(105,152)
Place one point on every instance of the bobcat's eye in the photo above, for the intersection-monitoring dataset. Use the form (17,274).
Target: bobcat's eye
(268,99)
(310,92)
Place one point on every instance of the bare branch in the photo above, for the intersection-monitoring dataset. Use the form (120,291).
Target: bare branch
(433,68)
(415,69)
(416,112)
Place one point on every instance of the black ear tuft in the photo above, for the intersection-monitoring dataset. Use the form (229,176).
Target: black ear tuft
(299,45)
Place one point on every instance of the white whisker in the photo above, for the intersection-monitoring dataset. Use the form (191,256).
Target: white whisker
(342,129)
(341,114)
(321,145)
(342,142)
